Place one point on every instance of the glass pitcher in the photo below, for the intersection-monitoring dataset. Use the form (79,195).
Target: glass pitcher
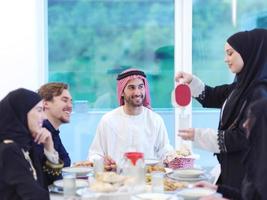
(134,166)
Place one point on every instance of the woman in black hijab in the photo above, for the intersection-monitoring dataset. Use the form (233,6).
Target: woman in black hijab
(255,181)
(254,184)
(246,57)
(21,119)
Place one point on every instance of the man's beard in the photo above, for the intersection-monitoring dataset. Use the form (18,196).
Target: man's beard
(64,121)
(130,101)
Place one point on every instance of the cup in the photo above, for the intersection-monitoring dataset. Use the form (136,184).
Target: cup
(98,165)
(69,185)
(157,181)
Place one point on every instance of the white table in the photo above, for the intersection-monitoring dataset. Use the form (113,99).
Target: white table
(54,196)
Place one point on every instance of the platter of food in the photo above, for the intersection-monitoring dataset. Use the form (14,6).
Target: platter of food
(153,168)
(169,184)
(85,163)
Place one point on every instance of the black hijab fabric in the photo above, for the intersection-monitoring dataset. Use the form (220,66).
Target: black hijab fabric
(13,121)
(256,158)
(252,46)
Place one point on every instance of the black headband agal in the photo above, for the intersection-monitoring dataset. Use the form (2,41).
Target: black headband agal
(130,73)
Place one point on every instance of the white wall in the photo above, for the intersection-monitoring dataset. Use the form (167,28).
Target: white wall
(21,45)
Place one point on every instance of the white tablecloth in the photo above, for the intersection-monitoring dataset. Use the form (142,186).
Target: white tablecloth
(54,196)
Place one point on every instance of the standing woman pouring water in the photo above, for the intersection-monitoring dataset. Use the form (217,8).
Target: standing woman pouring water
(247,58)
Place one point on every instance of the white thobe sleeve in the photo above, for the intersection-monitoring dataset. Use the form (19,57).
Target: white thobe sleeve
(207,138)
(96,150)
(196,86)
(163,146)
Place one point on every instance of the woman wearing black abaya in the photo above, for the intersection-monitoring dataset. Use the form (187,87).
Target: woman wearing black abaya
(255,181)
(21,119)
(254,184)
(246,57)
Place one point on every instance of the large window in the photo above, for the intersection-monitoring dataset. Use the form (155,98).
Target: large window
(213,22)
(91,41)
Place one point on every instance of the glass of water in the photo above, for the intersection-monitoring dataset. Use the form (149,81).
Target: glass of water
(69,185)
(157,181)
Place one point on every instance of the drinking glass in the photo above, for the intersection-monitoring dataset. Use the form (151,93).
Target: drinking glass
(69,184)
(157,181)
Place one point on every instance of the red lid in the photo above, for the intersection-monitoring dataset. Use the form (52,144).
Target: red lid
(134,156)
(182,94)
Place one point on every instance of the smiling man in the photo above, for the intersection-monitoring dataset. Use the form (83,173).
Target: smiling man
(58,108)
(131,127)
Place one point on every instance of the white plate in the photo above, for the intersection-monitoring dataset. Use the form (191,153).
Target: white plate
(155,196)
(189,179)
(168,170)
(86,192)
(188,173)
(79,171)
(79,183)
(151,161)
(195,193)
(55,189)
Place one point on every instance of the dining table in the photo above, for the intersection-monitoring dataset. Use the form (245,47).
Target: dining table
(133,197)
(54,196)
(179,176)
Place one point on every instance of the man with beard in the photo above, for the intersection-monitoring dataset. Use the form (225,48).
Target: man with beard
(58,107)
(131,127)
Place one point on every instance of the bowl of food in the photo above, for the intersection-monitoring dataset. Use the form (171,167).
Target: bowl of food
(180,159)
(181,163)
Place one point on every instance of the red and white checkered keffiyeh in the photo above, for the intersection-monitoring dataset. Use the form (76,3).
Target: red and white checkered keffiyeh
(123,82)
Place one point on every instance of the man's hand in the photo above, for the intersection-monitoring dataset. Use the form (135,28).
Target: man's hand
(109,164)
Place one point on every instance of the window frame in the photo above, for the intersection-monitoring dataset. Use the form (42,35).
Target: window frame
(182,57)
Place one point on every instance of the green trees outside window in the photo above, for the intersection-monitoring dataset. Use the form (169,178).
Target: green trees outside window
(90,41)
